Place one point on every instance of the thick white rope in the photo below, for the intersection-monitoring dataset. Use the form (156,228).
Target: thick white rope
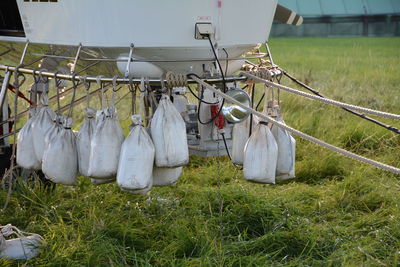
(318,98)
(301,134)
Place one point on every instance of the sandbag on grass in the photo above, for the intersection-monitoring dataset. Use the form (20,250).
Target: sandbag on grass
(260,156)
(135,169)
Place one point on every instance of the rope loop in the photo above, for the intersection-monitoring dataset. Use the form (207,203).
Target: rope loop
(176,79)
(262,73)
(41,78)
(57,81)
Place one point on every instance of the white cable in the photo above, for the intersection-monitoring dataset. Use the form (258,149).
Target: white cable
(324,100)
(301,134)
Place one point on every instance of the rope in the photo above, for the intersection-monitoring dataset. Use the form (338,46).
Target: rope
(176,79)
(363,116)
(323,100)
(301,134)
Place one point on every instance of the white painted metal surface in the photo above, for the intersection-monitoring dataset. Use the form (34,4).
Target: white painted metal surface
(159,29)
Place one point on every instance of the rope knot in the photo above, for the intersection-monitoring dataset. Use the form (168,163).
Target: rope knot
(176,79)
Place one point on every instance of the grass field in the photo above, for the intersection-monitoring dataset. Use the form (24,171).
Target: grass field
(337,212)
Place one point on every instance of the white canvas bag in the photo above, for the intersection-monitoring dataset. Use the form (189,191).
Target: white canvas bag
(26,246)
(240,135)
(105,145)
(286,152)
(135,169)
(26,157)
(43,121)
(83,141)
(166,176)
(60,159)
(260,156)
(168,131)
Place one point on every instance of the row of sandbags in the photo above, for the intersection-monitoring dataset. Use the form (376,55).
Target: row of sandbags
(100,151)
(267,155)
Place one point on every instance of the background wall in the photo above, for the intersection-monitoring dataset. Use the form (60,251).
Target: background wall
(342,18)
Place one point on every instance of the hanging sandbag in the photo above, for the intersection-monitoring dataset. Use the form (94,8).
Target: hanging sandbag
(168,131)
(286,151)
(135,167)
(54,130)
(105,145)
(260,156)
(43,121)
(166,176)
(240,135)
(26,157)
(83,141)
(60,159)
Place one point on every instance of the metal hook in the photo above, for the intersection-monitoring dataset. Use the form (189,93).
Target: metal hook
(114,83)
(56,80)
(74,84)
(43,79)
(85,82)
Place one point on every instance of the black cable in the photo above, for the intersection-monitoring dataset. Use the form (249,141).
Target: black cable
(223,81)
(198,98)
(259,102)
(227,152)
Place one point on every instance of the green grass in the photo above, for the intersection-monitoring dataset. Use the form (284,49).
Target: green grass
(337,212)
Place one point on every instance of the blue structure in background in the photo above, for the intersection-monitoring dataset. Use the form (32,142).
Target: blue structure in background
(342,18)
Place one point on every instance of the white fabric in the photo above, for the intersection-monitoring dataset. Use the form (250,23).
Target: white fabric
(26,157)
(23,248)
(260,156)
(136,162)
(83,141)
(292,172)
(53,130)
(60,159)
(286,150)
(43,121)
(168,131)
(105,145)
(166,176)
(240,135)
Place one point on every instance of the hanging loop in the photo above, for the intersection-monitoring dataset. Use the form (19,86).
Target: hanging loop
(41,78)
(57,82)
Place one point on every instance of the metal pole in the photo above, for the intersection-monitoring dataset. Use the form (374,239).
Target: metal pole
(128,65)
(4,88)
(76,58)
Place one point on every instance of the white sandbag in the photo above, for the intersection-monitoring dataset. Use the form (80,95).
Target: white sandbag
(101,181)
(240,135)
(43,121)
(106,144)
(26,157)
(135,169)
(60,159)
(53,130)
(166,176)
(260,156)
(83,141)
(21,248)
(168,131)
(292,172)
(286,150)
(143,191)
